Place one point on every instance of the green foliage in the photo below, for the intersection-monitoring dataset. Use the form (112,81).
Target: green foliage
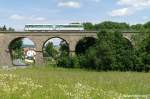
(88,26)
(64,48)
(50,51)
(106,25)
(4,28)
(64,62)
(67,61)
(111,51)
(124,53)
(16,44)
(137,27)
(144,53)
(111,25)
(99,57)
(84,44)
(17,54)
(15,48)
(58,55)
(146,25)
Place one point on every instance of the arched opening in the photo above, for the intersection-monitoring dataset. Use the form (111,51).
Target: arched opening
(84,44)
(22,51)
(128,44)
(55,48)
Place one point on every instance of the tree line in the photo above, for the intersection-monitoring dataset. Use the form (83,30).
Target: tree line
(109,25)
(111,51)
(4,28)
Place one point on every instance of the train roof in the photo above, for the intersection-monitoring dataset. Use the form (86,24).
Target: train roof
(39,24)
(56,24)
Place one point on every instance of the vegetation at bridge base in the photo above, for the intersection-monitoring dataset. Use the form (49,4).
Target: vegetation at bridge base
(109,52)
(112,52)
(15,49)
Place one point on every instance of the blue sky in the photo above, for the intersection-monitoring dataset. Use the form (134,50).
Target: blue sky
(17,13)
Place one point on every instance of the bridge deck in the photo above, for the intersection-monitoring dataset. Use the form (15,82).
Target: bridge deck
(48,31)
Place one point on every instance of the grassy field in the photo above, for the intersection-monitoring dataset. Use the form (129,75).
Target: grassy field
(58,83)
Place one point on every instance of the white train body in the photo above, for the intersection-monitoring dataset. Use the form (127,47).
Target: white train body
(50,27)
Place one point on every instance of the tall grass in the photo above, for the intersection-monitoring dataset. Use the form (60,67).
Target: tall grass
(59,83)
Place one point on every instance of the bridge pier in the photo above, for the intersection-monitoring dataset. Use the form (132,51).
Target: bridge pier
(39,59)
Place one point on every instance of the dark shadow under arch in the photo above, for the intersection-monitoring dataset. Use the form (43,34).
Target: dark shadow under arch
(84,44)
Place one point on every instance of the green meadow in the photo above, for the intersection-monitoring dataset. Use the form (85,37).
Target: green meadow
(59,83)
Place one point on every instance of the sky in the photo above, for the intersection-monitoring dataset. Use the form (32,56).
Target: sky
(17,13)
(55,41)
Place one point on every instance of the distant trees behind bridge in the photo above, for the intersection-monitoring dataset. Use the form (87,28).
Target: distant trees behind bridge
(117,26)
(5,28)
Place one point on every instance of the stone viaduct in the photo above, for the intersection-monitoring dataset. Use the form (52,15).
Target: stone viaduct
(39,39)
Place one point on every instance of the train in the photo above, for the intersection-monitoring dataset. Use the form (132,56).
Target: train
(51,27)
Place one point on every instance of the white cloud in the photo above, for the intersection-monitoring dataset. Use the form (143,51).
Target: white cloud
(135,3)
(96,0)
(26,18)
(69,4)
(16,17)
(145,18)
(131,7)
(39,19)
(121,12)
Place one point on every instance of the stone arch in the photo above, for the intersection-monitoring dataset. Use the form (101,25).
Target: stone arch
(56,37)
(129,41)
(58,51)
(21,37)
(128,36)
(82,46)
(11,41)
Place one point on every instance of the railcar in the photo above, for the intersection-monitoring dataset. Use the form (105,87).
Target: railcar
(50,27)
(38,27)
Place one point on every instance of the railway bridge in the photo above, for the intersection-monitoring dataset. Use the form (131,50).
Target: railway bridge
(39,38)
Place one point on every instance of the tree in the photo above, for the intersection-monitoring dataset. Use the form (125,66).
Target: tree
(50,51)
(64,48)
(99,57)
(146,25)
(111,52)
(84,44)
(112,25)
(137,27)
(16,44)
(124,53)
(11,29)
(4,28)
(88,26)
(144,53)
(15,48)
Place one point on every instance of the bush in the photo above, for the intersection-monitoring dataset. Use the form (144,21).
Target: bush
(68,62)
